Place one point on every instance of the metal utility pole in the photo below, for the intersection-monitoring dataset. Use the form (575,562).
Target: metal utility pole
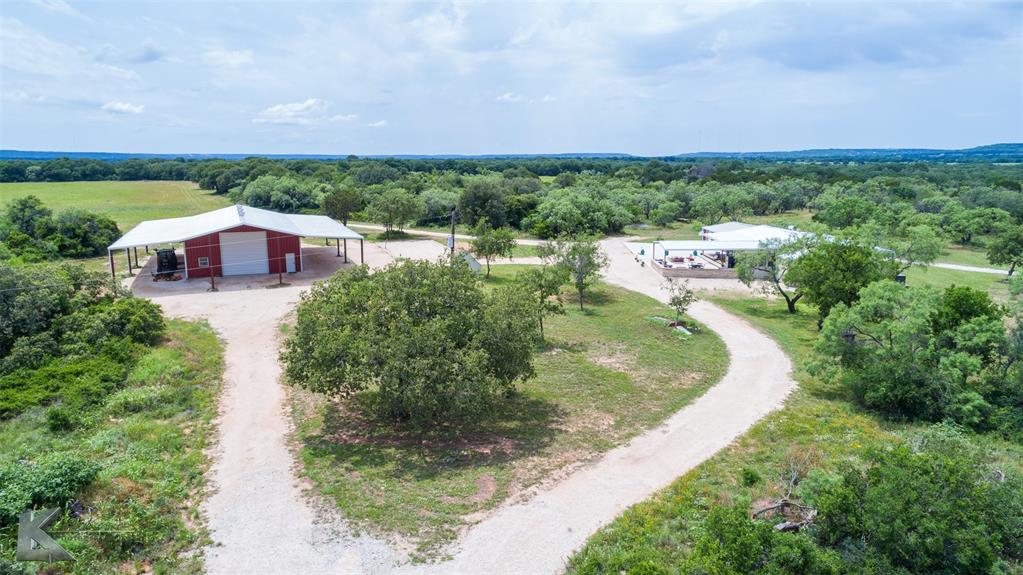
(451,240)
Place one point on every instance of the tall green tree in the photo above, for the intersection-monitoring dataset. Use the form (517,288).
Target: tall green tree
(491,243)
(432,346)
(1006,248)
(29,216)
(832,272)
(764,269)
(918,353)
(342,201)
(394,208)
(582,257)
(544,282)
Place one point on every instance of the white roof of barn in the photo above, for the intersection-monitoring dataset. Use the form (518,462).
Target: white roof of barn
(757,234)
(726,227)
(706,245)
(171,230)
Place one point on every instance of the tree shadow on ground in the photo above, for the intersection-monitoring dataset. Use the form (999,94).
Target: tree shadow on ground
(594,297)
(351,434)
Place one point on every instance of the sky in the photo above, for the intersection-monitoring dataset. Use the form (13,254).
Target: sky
(488,78)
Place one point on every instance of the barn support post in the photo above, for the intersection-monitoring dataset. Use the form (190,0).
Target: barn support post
(110,256)
(127,252)
(362,251)
(346,250)
(338,247)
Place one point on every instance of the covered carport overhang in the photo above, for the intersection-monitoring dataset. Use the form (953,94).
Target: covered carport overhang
(178,230)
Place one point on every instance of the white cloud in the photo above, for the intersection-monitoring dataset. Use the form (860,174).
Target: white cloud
(116,107)
(312,111)
(57,6)
(380,124)
(509,97)
(229,58)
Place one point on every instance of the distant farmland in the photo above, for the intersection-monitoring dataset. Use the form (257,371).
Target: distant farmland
(128,203)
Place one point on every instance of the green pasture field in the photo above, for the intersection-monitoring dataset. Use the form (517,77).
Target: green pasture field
(127,203)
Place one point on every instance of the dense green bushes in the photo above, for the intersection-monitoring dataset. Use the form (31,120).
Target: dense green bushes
(29,230)
(67,334)
(940,508)
(429,344)
(279,193)
(916,353)
(936,504)
(52,480)
(124,464)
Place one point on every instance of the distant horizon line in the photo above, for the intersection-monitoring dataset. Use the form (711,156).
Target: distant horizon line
(12,153)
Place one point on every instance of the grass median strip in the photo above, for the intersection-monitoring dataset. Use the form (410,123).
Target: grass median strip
(603,376)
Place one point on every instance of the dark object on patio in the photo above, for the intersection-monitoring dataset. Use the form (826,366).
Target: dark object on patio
(166,261)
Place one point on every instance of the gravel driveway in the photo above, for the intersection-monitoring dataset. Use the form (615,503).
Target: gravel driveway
(540,534)
(258,516)
(261,521)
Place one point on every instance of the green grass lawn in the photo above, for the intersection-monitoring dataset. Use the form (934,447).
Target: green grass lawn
(817,428)
(149,439)
(675,231)
(993,284)
(968,256)
(604,375)
(127,203)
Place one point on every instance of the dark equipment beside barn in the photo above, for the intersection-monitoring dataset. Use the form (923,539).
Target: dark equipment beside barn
(166,261)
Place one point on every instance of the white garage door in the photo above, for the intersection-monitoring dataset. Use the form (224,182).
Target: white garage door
(244,253)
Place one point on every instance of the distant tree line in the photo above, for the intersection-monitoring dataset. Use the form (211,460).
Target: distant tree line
(552,197)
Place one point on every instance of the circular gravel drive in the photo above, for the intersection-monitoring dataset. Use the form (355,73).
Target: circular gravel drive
(538,536)
(261,521)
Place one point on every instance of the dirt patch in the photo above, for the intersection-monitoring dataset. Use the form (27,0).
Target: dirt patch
(486,486)
(613,357)
(591,420)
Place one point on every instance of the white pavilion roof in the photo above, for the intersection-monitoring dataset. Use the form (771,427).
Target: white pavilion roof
(171,230)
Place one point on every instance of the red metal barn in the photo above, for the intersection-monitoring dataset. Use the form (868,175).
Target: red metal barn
(238,240)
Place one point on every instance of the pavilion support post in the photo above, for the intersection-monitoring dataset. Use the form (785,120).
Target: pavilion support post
(110,256)
(346,249)
(147,249)
(326,241)
(136,250)
(362,250)
(338,247)
(127,252)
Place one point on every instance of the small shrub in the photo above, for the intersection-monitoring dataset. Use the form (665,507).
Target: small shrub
(749,477)
(135,400)
(54,480)
(60,419)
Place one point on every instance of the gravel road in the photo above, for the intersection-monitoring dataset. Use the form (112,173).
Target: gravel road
(262,521)
(540,534)
(259,517)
